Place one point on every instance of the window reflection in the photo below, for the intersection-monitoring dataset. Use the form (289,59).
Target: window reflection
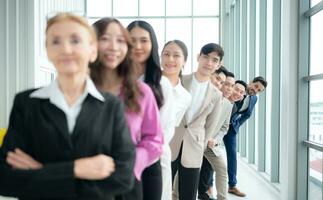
(316,112)
(315,175)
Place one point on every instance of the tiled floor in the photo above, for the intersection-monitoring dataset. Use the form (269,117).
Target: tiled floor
(249,182)
(253,185)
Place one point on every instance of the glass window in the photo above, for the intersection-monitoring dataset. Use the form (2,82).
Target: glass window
(178,26)
(152,8)
(205,30)
(314,2)
(316,62)
(131,8)
(93,20)
(180,29)
(316,111)
(315,175)
(159,28)
(126,22)
(206,7)
(99,8)
(178,7)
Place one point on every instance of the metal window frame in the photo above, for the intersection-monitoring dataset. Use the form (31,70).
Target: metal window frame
(251,73)
(276,71)
(243,70)
(262,97)
(303,99)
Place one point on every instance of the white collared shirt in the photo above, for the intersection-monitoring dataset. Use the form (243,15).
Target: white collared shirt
(245,104)
(56,97)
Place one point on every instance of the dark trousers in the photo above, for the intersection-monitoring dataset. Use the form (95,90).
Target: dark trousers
(230,142)
(188,179)
(134,194)
(152,182)
(206,176)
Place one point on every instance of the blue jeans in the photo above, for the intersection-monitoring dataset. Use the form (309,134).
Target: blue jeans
(230,142)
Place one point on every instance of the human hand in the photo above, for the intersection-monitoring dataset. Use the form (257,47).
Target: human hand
(211,143)
(94,168)
(20,160)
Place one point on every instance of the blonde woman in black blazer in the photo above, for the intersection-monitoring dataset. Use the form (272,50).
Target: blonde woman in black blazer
(67,140)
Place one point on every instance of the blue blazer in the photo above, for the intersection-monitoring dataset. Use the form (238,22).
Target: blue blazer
(240,117)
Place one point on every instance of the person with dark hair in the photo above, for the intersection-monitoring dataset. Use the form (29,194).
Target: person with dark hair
(239,90)
(219,76)
(242,111)
(198,124)
(173,59)
(113,72)
(145,55)
(213,156)
(67,140)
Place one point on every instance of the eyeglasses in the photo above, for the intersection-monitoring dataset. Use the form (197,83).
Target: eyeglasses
(207,58)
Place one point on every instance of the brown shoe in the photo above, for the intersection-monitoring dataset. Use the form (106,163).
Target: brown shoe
(235,191)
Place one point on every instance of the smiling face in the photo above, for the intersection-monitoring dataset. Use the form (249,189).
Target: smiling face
(238,92)
(113,46)
(218,79)
(172,59)
(208,63)
(255,87)
(228,86)
(142,45)
(70,47)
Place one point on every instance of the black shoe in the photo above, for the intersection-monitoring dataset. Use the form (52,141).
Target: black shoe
(204,196)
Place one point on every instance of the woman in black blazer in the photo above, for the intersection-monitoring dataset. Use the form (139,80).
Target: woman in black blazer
(67,140)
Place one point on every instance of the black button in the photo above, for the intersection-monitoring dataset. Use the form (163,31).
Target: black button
(185,126)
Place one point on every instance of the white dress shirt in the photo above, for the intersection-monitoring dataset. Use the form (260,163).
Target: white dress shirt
(182,101)
(198,92)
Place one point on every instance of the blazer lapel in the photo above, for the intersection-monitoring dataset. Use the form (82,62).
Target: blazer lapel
(187,82)
(58,118)
(90,108)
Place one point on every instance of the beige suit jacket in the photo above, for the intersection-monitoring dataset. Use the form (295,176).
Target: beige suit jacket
(194,135)
(222,126)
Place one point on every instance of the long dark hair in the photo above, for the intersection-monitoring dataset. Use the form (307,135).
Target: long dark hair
(126,69)
(153,71)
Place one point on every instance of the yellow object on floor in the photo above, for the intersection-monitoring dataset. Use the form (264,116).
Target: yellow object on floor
(2,134)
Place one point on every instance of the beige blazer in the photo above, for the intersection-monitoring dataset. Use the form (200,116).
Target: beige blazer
(222,126)
(194,135)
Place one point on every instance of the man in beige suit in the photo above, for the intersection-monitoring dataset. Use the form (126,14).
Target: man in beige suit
(190,139)
(213,155)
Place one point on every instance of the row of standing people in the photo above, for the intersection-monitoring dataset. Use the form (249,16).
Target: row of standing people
(94,155)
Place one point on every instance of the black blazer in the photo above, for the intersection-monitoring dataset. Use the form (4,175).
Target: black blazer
(40,129)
